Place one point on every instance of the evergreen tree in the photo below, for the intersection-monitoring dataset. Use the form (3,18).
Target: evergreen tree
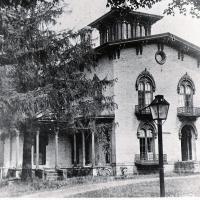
(48,73)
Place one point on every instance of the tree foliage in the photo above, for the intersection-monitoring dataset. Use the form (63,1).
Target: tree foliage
(47,65)
(182,6)
(23,3)
(48,72)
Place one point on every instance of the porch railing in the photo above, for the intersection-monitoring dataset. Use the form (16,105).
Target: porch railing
(188,111)
(149,158)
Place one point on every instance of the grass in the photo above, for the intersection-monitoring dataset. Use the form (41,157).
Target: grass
(173,188)
(18,188)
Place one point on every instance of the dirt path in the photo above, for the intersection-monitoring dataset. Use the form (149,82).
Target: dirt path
(74,190)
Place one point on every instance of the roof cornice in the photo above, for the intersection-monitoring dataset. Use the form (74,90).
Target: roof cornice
(134,13)
(166,38)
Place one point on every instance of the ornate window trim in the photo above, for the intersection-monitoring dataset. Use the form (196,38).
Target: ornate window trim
(187,78)
(188,124)
(146,126)
(147,75)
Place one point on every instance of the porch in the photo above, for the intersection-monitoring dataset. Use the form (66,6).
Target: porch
(77,153)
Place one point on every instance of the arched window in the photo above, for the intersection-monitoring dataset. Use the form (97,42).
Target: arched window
(146,136)
(145,85)
(186,89)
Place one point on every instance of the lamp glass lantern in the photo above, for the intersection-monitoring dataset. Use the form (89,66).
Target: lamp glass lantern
(159,108)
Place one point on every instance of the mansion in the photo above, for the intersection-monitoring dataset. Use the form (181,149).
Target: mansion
(144,66)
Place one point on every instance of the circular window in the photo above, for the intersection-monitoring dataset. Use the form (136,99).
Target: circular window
(160,57)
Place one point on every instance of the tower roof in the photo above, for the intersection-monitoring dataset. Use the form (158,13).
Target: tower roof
(116,14)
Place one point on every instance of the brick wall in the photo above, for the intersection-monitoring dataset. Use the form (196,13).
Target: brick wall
(126,70)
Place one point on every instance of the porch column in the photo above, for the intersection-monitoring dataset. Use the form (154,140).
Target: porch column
(113,144)
(154,153)
(17,148)
(146,146)
(37,149)
(83,147)
(194,149)
(93,142)
(10,139)
(32,155)
(75,161)
(56,148)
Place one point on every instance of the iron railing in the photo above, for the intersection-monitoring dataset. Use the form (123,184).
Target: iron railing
(149,158)
(142,109)
(188,111)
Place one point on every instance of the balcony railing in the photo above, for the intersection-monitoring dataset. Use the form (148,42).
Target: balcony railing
(142,111)
(188,112)
(149,159)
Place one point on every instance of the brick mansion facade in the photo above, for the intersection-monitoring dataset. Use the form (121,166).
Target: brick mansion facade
(144,65)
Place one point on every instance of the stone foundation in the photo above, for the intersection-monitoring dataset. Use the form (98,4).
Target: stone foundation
(187,167)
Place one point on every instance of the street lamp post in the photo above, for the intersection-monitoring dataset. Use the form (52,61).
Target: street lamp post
(159,109)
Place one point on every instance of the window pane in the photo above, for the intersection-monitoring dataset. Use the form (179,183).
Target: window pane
(149,134)
(141,98)
(188,100)
(181,100)
(119,31)
(141,87)
(147,98)
(142,134)
(142,148)
(133,30)
(129,31)
(182,90)
(150,144)
(147,87)
(188,90)
(124,31)
(137,30)
(142,31)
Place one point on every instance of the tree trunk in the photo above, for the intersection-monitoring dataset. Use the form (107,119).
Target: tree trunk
(27,161)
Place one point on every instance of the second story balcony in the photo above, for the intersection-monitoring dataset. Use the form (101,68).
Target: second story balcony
(188,112)
(143,112)
(149,159)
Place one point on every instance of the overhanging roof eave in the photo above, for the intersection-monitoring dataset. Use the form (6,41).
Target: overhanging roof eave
(164,37)
(152,17)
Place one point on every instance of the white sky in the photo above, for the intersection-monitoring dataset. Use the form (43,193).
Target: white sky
(86,11)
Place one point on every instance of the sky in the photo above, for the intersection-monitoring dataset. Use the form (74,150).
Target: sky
(82,12)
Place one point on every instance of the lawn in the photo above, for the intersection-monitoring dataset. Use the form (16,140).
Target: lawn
(173,188)
(189,186)
(18,188)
